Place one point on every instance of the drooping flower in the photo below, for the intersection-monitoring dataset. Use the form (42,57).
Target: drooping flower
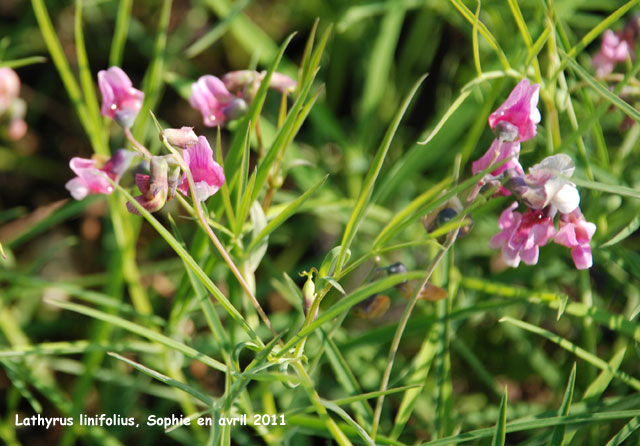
(522,235)
(575,232)
(120,101)
(614,49)
(208,175)
(217,105)
(546,184)
(91,180)
(154,187)
(519,110)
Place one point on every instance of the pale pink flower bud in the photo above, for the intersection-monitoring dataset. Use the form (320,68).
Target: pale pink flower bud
(182,137)
(9,88)
(547,185)
(576,232)
(520,109)
(120,101)
(208,175)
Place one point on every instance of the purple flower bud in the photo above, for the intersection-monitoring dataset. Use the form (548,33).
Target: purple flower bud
(120,101)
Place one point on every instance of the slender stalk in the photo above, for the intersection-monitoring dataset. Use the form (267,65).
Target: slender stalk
(139,147)
(223,252)
(401,327)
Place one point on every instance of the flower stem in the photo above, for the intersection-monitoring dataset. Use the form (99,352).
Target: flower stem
(223,252)
(139,147)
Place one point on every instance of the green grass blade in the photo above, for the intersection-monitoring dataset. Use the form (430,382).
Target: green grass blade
(22,62)
(192,264)
(625,232)
(75,347)
(217,31)
(369,181)
(602,89)
(420,365)
(609,188)
(120,32)
(541,423)
(86,82)
(557,436)
(579,352)
(285,214)
(450,111)
(500,431)
(206,399)
(141,331)
(233,160)
(627,430)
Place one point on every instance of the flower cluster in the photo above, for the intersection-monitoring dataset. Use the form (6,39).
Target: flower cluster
(545,190)
(122,102)
(616,47)
(221,101)
(12,108)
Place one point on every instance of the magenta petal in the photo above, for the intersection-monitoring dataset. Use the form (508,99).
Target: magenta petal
(530,256)
(208,175)
(499,151)
(582,257)
(210,97)
(520,109)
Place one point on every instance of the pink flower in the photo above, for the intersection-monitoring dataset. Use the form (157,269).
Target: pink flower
(614,49)
(522,235)
(499,151)
(208,175)
(91,179)
(211,97)
(9,88)
(120,101)
(519,110)
(576,233)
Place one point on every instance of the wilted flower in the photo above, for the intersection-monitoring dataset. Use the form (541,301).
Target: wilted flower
(120,101)
(519,110)
(614,49)
(91,179)
(208,175)
(154,187)
(522,235)
(217,105)
(576,233)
